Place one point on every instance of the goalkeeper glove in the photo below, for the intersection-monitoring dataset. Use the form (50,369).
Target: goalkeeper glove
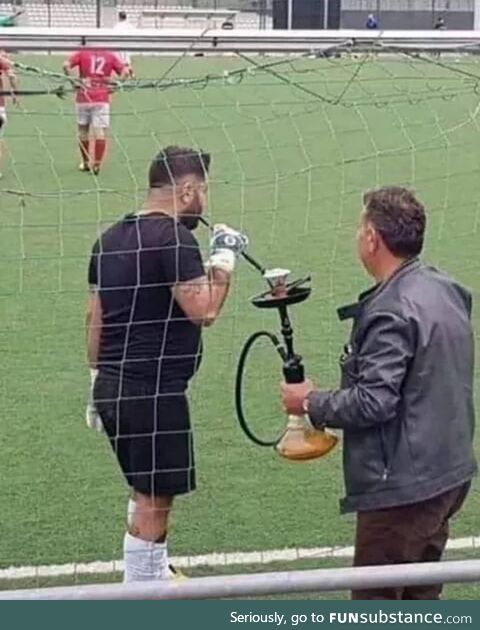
(226,245)
(92,417)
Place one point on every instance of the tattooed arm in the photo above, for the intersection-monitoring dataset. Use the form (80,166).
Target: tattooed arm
(202,299)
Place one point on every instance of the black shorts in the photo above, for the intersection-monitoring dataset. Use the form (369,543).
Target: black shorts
(150,434)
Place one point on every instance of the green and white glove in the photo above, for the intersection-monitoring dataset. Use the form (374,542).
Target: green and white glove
(226,245)
(92,417)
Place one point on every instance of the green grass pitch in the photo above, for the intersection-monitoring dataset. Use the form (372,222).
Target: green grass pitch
(289,166)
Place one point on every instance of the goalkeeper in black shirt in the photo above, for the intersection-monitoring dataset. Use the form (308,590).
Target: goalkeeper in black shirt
(150,295)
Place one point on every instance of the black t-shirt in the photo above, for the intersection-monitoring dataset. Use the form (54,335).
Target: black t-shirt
(145,333)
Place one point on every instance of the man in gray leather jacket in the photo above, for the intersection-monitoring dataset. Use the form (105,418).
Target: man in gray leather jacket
(405,404)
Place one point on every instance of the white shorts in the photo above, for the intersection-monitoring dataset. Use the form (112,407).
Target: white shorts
(3,119)
(93,114)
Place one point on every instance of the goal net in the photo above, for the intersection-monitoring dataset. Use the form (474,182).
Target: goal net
(295,140)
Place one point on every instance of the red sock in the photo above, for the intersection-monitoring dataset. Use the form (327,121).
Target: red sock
(84,146)
(100,146)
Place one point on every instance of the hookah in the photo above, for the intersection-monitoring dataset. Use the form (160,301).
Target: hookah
(299,441)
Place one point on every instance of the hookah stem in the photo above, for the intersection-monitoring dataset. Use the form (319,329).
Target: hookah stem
(259,267)
(287,330)
(293,370)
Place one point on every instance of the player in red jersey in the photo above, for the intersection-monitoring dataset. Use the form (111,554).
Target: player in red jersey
(95,68)
(6,70)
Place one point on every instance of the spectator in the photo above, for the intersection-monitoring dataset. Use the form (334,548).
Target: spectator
(372,22)
(124,25)
(405,402)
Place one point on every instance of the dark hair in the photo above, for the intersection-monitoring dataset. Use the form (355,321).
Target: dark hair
(122,15)
(398,217)
(173,163)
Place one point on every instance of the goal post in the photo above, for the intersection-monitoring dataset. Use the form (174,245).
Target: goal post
(299,125)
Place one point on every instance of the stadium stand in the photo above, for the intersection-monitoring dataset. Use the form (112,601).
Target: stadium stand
(64,14)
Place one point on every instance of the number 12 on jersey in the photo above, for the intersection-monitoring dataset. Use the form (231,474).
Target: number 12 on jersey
(97,65)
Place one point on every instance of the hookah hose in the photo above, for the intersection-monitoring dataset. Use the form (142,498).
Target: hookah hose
(239,382)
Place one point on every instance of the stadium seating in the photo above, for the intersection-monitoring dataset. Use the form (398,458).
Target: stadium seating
(66,14)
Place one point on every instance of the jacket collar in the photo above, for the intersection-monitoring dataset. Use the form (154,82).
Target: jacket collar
(350,311)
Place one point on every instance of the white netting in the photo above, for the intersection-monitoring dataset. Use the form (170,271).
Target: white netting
(294,143)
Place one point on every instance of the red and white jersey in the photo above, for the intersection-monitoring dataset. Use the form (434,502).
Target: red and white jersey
(5,68)
(95,67)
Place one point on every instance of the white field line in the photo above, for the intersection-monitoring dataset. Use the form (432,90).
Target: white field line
(207,560)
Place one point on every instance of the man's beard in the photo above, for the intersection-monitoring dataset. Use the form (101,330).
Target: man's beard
(191,217)
(190,221)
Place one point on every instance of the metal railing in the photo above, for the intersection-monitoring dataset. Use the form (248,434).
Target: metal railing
(223,41)
(261,584)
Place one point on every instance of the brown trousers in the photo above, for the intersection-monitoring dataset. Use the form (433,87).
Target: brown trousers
(408,533)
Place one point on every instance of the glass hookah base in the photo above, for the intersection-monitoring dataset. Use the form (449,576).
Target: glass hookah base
(300,442)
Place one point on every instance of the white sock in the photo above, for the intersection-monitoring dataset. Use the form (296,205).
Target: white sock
(132,506)
(144,560)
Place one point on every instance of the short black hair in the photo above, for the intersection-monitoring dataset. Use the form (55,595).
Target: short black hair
(172,163)
(399,217)
(122,15)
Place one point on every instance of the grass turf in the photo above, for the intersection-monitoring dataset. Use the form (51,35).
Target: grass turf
(290,160)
